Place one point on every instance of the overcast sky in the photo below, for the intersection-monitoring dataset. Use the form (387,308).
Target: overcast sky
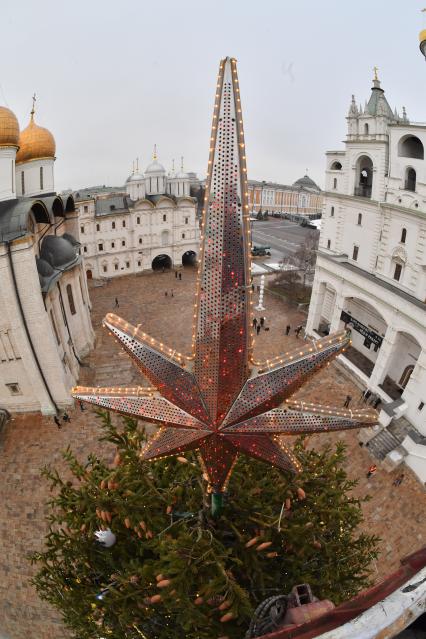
(115,77)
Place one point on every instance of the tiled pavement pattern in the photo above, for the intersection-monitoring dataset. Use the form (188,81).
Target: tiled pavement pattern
(398,515)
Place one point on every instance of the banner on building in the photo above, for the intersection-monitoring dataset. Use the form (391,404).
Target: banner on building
(357,326)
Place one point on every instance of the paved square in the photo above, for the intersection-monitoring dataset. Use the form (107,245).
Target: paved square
(30,441)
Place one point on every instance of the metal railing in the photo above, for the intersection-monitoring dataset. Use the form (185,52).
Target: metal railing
(363,190)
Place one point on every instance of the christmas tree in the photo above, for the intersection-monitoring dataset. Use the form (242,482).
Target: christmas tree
(133,551)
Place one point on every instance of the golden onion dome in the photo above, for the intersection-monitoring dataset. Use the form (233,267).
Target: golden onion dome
(9,128)
(35,143)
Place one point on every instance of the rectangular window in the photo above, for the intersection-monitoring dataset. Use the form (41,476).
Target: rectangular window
(98,227)
(112,244)
(71,299)
(127,264)
(420,406)
(41,178)
(359,219)
(123,242)
(124,223)
(82,229)
(85,249)
(140,240)
(183,236)
(100,247)
(186,220)
(14,388)
(113,225)
(328,244)
(115,267)
(85,208)
(164,218)
(332,211)
(23,183)
(138,220)
(139,263)
(55,330)
(397,272)
(355,253)
(104,268)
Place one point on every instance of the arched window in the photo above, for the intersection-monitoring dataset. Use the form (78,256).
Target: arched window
(336,166)
(41,178)
(359,219)
(335,183)
(164,218)
(403,235)
(22,183)
(332,211)
(71,299)
(411,147)
(410,179)
(366,128)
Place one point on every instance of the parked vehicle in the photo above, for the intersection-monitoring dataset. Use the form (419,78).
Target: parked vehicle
(259,251)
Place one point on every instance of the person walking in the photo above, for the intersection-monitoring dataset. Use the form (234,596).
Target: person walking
(165,293)
(297,331)
(176,274)
(80,403)
(262,321)
(398,481)
(164,269)
(347,401)
(365,395)
(377,402)
(66,418)
(371,471)
(287,329)
(254,322)
(57,422)
(258,329)
(180,276)
(172,293)
(117,305)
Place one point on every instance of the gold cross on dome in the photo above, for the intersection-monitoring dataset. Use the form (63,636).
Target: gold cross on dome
(34,101)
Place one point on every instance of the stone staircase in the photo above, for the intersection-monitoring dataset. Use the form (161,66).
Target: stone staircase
(382,444)
(391,437)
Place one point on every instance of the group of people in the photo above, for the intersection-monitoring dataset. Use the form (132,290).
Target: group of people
(396,482)
(370,398)
(65,417)
(258,324)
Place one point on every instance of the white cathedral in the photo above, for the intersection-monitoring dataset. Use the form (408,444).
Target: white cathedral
(371,270)
(45,326)
(150,223)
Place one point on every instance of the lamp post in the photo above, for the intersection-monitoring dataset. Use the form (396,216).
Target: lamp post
(261,198)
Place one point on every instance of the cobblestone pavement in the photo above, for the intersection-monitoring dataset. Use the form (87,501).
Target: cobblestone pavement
(30,441)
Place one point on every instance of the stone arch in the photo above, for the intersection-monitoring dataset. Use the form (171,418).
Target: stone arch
(189,258)
(161,262)
(405,353)
(89,273)
(336,166)
(368,327)
(364,176)
(409,146)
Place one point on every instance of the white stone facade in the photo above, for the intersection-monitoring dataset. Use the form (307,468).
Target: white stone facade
(371,263)
(121,235)
(45,325)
